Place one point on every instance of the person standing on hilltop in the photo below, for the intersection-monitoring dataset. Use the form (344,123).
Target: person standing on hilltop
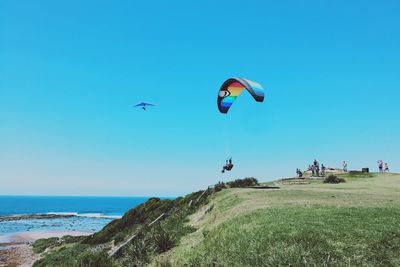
(344,166)
(316,168)
(380,165)
(323,169)
(386,168)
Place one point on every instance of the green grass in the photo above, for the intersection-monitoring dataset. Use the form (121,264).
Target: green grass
(359,175)
(302,236)
(40,245)
(350,224)
(64,256)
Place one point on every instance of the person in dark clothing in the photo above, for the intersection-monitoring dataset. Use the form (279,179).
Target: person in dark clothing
(323,169)
(313,170)
(299,173)
(228,165)
(380,165)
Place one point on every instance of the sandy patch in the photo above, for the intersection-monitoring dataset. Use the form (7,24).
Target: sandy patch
(33,236)
(16,249)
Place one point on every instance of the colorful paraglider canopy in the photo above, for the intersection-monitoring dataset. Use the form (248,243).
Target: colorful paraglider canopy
(233,87)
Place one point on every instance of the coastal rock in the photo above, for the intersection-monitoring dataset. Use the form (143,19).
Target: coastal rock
(34,217)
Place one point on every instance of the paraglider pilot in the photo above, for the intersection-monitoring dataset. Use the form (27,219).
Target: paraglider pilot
(228,165)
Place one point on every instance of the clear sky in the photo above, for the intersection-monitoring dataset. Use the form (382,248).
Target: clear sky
(70,72)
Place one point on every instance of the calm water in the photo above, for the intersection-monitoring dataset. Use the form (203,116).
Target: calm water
(92,213)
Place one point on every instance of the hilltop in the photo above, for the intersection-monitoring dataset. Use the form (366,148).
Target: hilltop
(304,222)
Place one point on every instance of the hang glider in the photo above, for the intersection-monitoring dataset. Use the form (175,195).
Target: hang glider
(144,105)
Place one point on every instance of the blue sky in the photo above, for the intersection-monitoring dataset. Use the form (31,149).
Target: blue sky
(70,72)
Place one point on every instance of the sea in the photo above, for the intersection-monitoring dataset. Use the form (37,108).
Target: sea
(84,214)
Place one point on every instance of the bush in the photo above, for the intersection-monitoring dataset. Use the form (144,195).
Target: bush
(137,253)
(64,256)
(218,187)
(333,179)
(98,259)
(246,182)
(67,239)
(163,240)
(42,244)
(119,237)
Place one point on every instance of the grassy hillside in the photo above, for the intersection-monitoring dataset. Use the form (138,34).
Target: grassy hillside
(308,224)
(304,223)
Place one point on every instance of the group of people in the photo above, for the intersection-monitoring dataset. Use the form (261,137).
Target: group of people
(317,171)
(315,168)
(383,167)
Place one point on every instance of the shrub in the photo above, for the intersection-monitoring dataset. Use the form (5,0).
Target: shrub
(218,187)
(67,239)
(137,253)
(163,240)
(333,179)
(246,182)
(42,244)
(98,259)
(119,237)
(64,256)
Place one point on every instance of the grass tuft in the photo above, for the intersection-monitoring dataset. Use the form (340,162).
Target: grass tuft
(333,179)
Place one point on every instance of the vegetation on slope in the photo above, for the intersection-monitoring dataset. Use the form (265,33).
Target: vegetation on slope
(348,224)
(315,224)
(147,242)
(47,243)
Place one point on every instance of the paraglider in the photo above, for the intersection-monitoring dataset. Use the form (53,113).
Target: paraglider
(228,165)
(143,105)
(228,93)
(233,87)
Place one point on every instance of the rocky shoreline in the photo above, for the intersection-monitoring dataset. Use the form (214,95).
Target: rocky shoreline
(17,254)
(34,217)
